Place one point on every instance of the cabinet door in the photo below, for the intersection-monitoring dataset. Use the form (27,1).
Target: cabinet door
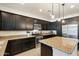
(20,23)
(8,21)
(0,22)
(44,26)
(78,46)
(16,46)
(28,43)
(29,23)
(39,24)
(25,45)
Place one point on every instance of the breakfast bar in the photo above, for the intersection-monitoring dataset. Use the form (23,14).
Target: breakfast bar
(59,46)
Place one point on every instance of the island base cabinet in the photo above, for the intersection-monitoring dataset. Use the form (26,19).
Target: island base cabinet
(20,45)
(46,50)
(27,45)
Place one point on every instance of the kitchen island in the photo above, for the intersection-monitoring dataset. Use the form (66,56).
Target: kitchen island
(11,45)
(59,46)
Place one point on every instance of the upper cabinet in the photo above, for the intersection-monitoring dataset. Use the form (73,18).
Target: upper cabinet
(0,21)
(19,22)
(29,23)
(44,24)
(9,21)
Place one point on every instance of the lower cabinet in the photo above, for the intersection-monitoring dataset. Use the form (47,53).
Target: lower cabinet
(20,45)
(78,46)
(48,36)
(46,50)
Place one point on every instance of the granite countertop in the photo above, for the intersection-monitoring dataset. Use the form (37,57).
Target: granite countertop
(13,37)
(3,44)
(64,44)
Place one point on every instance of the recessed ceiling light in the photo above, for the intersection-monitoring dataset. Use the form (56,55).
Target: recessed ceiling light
(72,6)
(40,10)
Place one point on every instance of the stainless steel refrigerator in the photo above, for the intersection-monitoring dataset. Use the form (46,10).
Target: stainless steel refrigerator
(70,30)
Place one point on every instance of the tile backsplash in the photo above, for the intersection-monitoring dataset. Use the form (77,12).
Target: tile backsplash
(9,33)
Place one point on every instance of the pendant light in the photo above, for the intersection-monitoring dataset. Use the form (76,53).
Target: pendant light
(52,15)
(63,21)
(59,13)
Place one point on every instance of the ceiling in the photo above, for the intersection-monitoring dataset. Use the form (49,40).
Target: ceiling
(34,8)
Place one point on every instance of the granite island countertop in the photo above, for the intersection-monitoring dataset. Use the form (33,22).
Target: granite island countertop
(64,44)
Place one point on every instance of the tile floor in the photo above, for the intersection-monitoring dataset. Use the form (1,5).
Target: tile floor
(34,52)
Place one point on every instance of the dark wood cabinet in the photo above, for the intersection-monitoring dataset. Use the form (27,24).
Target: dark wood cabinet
(78,46)
(46,50)
(0,21)
(13,47)
(48,36)
(29,23)
(56,26)
(20,22)
(8,21)
(20,45)
(44,24)
(23,22)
